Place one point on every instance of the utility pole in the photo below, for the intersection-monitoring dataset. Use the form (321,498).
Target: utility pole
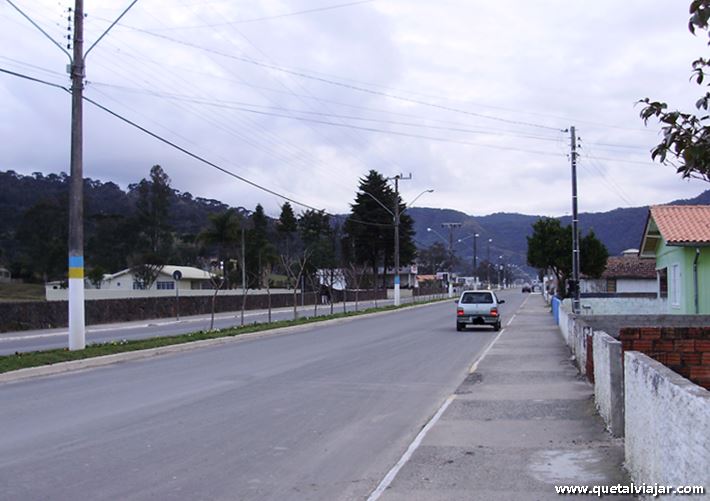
(488,262)
(475,259)
(77,336)
(397,298)
(575,224)
(76,68)
(451,227)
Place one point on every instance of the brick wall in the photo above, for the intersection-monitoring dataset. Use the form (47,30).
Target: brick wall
(685,350)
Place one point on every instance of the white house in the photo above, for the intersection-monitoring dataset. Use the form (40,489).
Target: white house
(125,284)
(190,279)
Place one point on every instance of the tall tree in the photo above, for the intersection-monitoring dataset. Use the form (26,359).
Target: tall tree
(153,210)
(686,136)
(317,236)
(550,247)
(370,229)
(260,252)
(287,226)
(222,235)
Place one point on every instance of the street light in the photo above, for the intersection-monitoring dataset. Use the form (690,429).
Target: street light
(396,215)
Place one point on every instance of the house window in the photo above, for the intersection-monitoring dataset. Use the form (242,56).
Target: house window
(611,285)
(663,283)
(162,286)
(675,285)
(138,286)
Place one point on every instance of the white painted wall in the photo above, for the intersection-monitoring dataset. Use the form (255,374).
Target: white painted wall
(667,422)
(637,285)
(623,306)
(609,382)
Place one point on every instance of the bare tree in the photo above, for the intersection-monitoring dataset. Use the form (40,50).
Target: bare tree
(355,273)
(217,281)
(294,268)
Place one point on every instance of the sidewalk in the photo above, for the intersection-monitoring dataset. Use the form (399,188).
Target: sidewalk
(520,424)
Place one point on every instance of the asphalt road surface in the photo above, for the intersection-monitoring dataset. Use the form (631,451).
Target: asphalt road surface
(47,339)
(320,414)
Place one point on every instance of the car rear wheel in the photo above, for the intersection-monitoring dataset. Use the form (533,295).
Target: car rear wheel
(497,326)
(460,327)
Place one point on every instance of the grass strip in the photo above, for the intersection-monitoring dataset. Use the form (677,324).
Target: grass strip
(38,358)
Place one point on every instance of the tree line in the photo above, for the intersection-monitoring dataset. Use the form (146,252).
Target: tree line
(140,229)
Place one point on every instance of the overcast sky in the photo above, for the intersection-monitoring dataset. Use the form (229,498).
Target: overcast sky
(304,97)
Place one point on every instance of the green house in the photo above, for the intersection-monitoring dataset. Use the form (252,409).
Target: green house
(678,237)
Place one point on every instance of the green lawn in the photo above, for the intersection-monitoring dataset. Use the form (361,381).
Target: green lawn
(22,292)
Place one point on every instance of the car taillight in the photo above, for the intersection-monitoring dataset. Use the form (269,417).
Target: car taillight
(459,312)
(494,312)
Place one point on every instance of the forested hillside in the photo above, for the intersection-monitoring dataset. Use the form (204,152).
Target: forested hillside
(150,220)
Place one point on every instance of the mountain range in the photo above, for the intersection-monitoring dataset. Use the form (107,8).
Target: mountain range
(618,229)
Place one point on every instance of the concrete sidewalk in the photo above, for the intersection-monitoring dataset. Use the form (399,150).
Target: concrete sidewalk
(520,424)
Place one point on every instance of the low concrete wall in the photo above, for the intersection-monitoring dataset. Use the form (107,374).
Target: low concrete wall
(609,382)
(623,306)
(667,423)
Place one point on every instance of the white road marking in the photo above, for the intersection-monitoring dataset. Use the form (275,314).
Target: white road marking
(409,452)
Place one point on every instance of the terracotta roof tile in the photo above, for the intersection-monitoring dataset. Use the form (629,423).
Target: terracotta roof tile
(630,267)
(683,224)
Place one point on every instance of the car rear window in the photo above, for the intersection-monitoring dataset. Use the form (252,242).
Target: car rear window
(477,298)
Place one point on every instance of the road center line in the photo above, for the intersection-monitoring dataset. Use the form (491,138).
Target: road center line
(410,451)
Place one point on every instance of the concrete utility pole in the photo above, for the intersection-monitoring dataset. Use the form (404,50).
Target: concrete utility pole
(451,227)
(77,73)
(397,214)
(575,223)
(488,262)
(77,337)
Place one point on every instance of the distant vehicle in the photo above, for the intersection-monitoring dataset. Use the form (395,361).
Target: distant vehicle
(527,288)
(478,308)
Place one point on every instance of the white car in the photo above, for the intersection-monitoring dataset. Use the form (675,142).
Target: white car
(478,308)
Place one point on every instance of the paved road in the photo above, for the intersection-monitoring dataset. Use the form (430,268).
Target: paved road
(320,414)
(47,339)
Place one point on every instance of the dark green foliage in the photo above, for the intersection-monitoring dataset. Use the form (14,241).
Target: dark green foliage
(370,226)
(550,247)
(42,241)
(686,136)
(222,237)
(152,211)
(260,252)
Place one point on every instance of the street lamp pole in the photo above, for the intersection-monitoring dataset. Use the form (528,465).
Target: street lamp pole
(397,298)
(396,213)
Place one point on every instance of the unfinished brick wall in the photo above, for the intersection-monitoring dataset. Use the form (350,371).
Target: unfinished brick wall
(685,350)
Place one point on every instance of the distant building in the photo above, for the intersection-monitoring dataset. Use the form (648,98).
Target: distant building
(627,274)
(5,276)
(191,279)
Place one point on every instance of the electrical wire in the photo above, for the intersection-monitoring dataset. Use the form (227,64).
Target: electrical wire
(268,18)
(342,84)
(188,152)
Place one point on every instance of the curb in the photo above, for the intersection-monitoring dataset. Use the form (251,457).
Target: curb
(94,362)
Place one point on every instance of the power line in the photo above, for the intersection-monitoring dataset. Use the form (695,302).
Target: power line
(248,107)
(391,132)
(344,85)
(186,151)
(269,18)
